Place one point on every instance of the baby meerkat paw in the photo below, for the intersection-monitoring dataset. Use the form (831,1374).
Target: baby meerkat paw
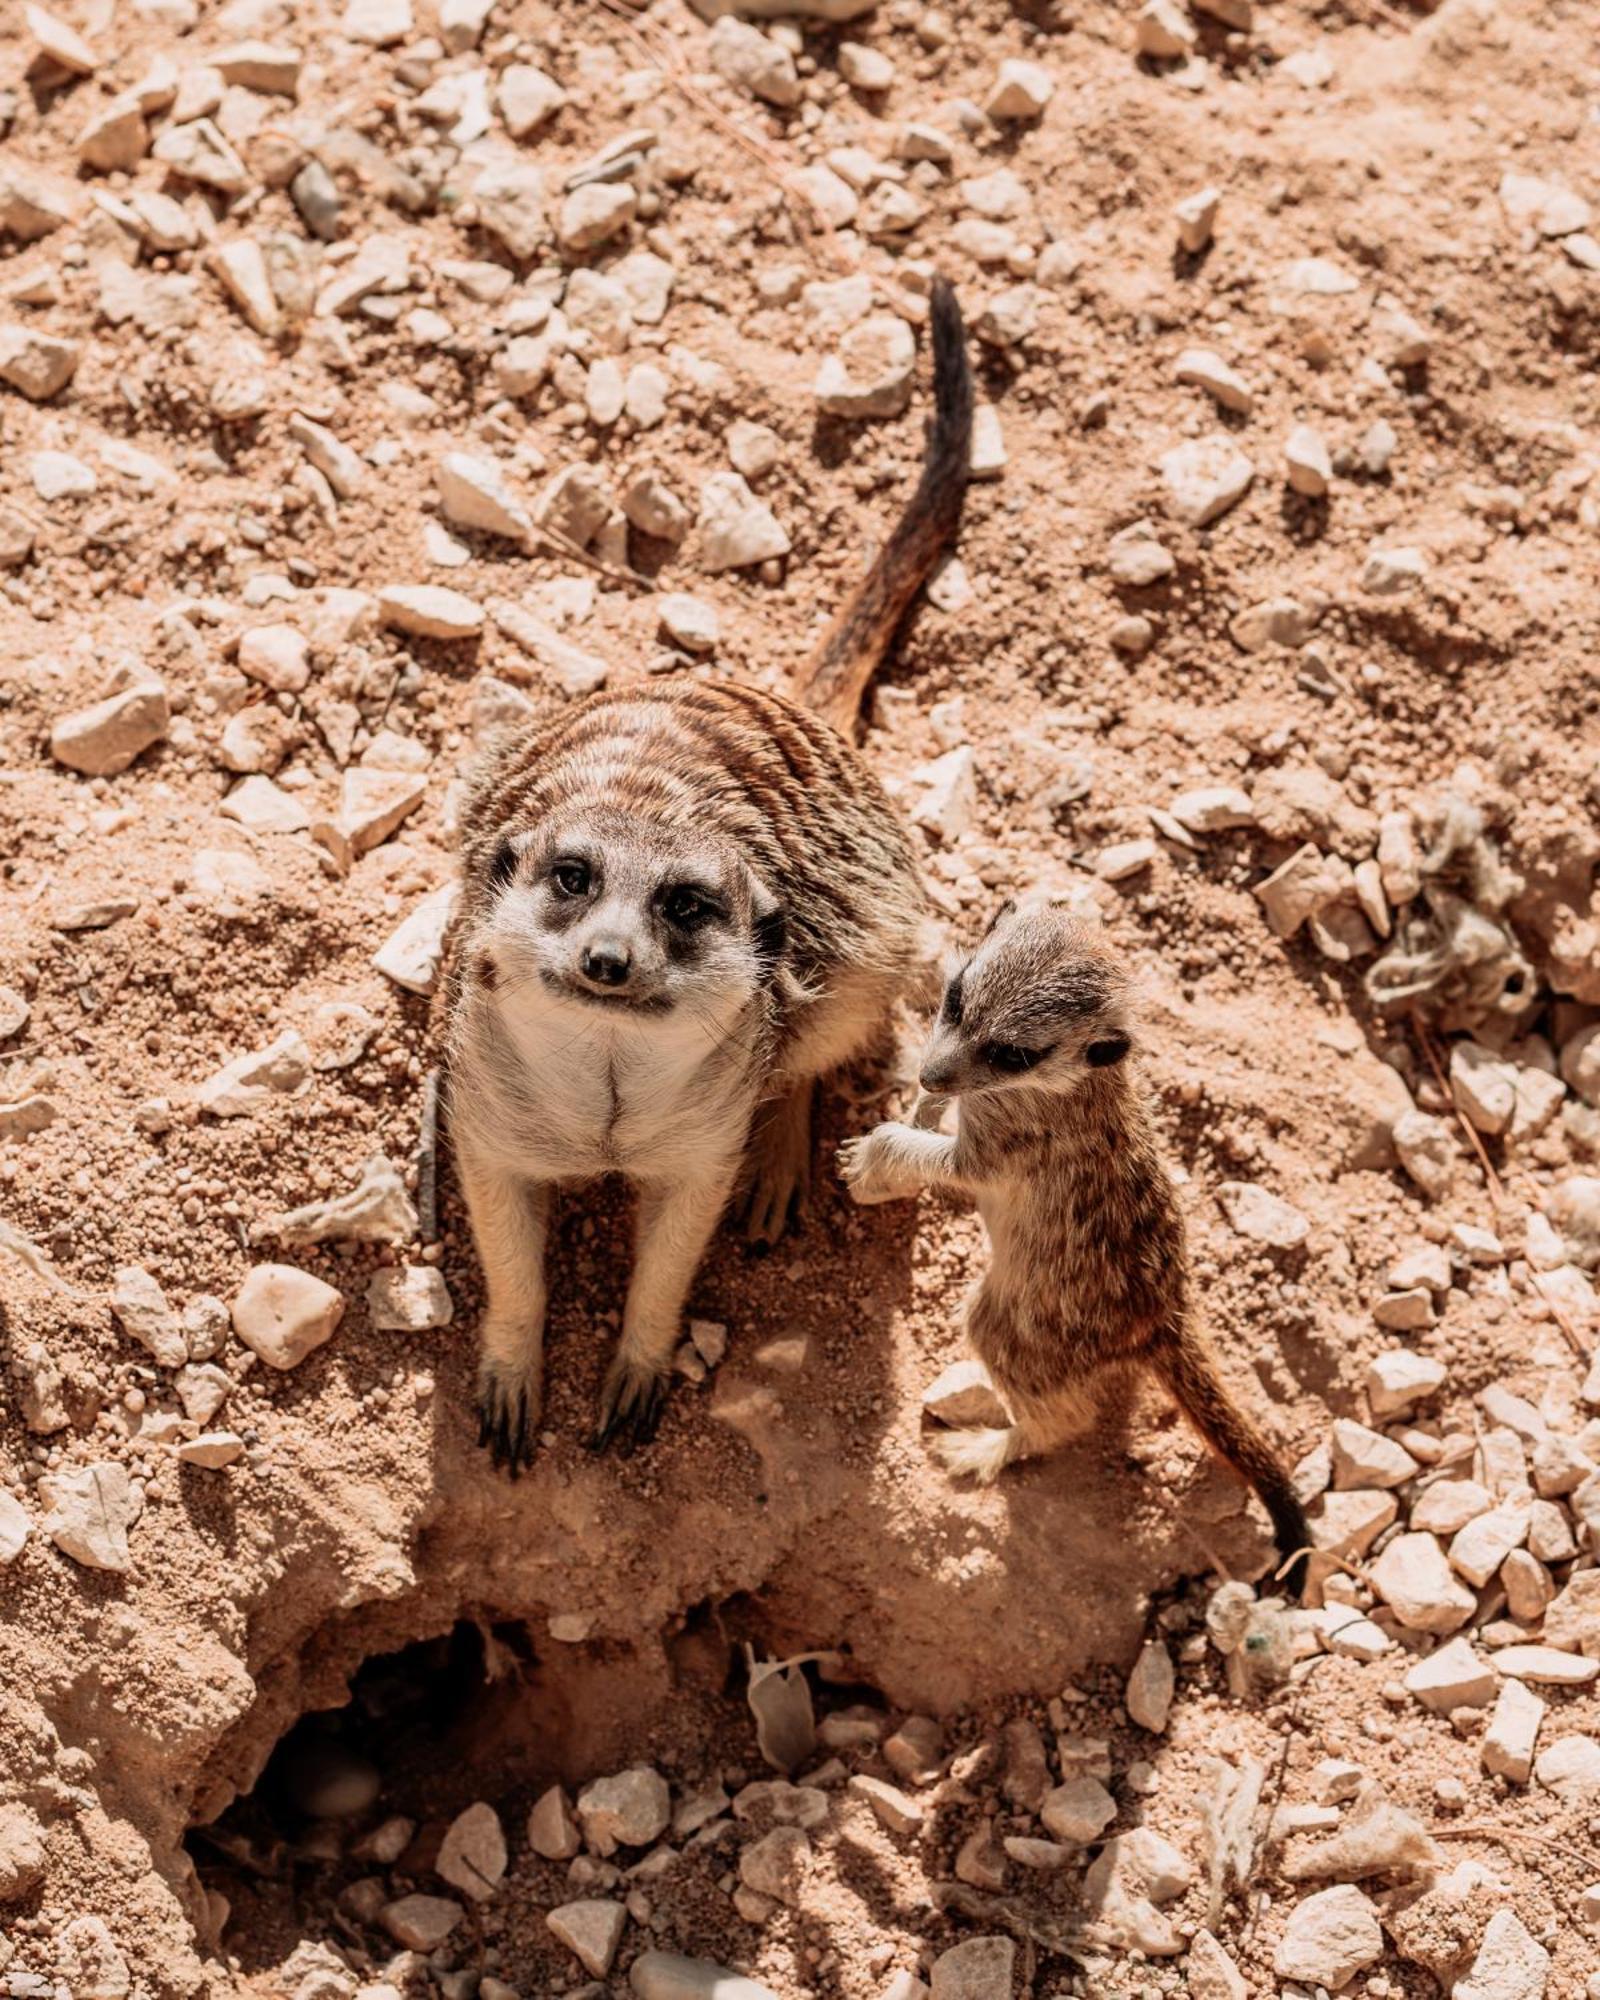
(510,1404)
(860,1168)
(630,1406)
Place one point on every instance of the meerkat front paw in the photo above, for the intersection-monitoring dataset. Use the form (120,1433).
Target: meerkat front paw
(862,1167)
(630,1406)
(510,1404)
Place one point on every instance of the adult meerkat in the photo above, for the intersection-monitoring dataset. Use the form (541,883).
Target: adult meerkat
(1088,1287)
(683,902)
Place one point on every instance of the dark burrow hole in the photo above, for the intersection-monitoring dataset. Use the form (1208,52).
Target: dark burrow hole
(349,1811)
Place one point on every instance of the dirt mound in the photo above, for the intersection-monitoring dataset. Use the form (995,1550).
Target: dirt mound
(369,372)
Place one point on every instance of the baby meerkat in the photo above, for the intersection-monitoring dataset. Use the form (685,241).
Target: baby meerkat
(684,900)
(1088,1287)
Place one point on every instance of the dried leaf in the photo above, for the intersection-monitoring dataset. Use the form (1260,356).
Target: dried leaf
(780,1700)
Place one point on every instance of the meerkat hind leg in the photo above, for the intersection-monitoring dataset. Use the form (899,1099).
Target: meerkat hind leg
(982,1453)
(779,1170)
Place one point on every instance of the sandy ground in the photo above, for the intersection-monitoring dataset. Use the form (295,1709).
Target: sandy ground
(250,437)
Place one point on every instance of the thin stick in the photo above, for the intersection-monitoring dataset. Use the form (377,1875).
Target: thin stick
(427,1157)
(1506,1835)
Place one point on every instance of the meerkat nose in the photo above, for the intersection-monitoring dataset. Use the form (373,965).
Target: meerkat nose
(937,1078)
(606,964)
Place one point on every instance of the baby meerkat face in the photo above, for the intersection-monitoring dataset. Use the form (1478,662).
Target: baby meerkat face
(1041,1004)
(644,921)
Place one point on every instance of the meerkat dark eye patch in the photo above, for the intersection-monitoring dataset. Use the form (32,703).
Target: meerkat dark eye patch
(951,1010)
(571,876)
(1011,1060)
(687,906)
(1108,1050)
(503,865)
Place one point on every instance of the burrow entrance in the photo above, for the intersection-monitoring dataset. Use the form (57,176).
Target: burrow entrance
(350,1809)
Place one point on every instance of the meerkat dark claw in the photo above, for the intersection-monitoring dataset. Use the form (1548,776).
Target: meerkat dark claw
(630,1410)
(505,1425)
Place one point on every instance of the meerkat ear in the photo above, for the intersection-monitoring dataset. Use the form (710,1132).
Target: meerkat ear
(1004,910)
(1106,1050)
(768,926)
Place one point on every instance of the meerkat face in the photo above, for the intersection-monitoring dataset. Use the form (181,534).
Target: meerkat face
(646,922)
(1041,1004)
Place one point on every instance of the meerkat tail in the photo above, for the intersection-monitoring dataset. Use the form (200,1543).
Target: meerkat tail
(1185,1364)
(837,675)
(978,1454)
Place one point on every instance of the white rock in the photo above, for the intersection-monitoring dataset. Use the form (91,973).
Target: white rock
(1483,1086)
(1483,1545)
(141,1307)
(1452,1677)
(944,794)
(429,611)
(1148,1697)
(1513,1729)
(1204,478)
(527,98)
(409,1299)
(552,1830)
(591,1929)
(420,1923)
(282,1313)
(1330,1937)
(1426,1151)
(1388,572)
(1163,30)
(472,1855)
(510,201)
(1205,369)
(1305,455)
(865,68)
(689,622)
(1136,557)
(1213,809)
(1545,206)
(1078,1811)
(1196,217)
(1262,1216)
(57,475)
(594,213)
(1397,1379)
(241,269)
(1511,1964)
(1405,1312)
(1415,1581)
(104,739)
(90,1514)
(871,374)
(980,1968)
(278,656)
(36,364)
(1546,1666)
(212,1451)
(413,952)
(754,62)
(776,1865)
(15,1528)
(1021,89)
(964,1395)
(629,1810)
(475,494)
(1363,1457)
(1448,1505)
(62,44)
(1124,859)
(379,23)
(376,1210)
(252,1081)
(736,529)
(1211,1974)
(662,1975)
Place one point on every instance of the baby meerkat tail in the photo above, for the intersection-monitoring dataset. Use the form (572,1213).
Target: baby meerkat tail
(979,1454)
(836,677)
(1185,1364)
